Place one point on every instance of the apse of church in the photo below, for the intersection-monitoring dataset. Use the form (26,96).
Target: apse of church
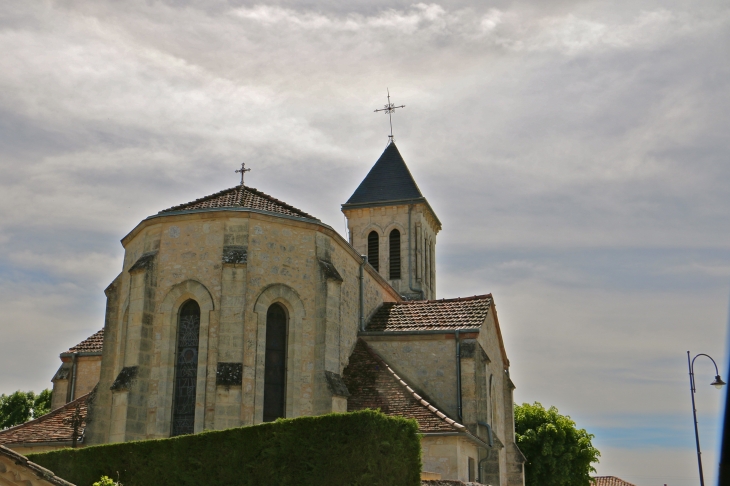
(230,310)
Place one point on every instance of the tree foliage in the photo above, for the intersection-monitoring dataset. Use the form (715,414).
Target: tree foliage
(19,407)
(557,452)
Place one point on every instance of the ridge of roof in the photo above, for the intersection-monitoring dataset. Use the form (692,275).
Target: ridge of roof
(241,196)
(91,344)
(50,427)
(388,180)
(441,417)
(453,299)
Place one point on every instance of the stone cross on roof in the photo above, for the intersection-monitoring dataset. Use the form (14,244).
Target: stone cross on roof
(389,109)
(243,171)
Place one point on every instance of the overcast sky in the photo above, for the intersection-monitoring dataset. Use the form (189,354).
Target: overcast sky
(576,153)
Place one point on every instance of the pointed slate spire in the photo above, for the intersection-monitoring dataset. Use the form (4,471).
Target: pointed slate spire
(388,180)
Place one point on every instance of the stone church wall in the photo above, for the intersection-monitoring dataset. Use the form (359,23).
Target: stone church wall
(235,265)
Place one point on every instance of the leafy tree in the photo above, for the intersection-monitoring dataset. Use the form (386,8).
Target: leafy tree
(19,407)
(558,453)
(42,403)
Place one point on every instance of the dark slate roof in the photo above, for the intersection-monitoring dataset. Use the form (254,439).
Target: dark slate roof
(51,427)
(373,384)
(431,315)
(91,344)
(44,475)
(244,197)
(388,180)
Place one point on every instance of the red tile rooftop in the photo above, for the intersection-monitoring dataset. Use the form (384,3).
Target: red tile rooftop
(91,344)
(373,384)
(245,197)
(424,315)
(51,427)
(609,481)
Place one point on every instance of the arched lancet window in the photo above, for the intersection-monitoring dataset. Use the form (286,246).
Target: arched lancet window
(492,402)
(275,363)
(394,254)
(432,263)
(186,368)
(374,250)
(426,260)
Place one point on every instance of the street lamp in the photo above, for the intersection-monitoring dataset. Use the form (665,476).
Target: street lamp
(718,383)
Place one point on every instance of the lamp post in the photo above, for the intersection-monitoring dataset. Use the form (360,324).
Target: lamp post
(718,383)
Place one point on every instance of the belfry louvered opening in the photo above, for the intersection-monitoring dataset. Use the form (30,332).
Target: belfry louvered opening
(374,250)
(394,254)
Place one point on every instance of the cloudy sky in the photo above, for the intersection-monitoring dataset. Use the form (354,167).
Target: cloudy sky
(576,153)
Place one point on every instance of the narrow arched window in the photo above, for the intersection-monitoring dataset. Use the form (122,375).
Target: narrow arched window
(186,368)
(426,261)
(394,254)
(374,250)
(275,363)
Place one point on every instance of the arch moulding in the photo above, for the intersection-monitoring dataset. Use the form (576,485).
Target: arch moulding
(166,346)
(294,307)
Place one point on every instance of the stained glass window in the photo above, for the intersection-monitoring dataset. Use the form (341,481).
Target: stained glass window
(186,369)
(275,363)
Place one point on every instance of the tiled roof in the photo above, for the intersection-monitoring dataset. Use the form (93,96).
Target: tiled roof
(245,197)
(373,384)
(43,474)
(424,315)
(388,180)
(91,344)
(51,427)
(609,481)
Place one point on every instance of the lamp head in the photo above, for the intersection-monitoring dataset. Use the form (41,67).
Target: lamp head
(718,383)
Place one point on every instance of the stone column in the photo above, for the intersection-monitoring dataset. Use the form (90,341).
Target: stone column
(134,377)
(98,419)
(229,362)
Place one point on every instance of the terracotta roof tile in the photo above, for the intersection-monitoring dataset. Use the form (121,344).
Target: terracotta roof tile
(242,196)
(609,481)
(424,315)
(91,344)
(51,427)
(373,384)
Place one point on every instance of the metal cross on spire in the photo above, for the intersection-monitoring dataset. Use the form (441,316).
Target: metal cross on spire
(243,171)
(389,109)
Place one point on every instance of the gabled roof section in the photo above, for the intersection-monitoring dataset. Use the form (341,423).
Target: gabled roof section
(51,427)
(431,315)
(609,481)
(92,344)
(373,384)
(29,473)
(241,197)
(388,180)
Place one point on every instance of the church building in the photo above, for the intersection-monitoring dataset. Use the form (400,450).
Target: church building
(237,308)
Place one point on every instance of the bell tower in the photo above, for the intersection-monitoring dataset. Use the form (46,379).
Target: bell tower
(391,222)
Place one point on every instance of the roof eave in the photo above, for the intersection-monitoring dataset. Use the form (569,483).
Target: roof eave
(393,202)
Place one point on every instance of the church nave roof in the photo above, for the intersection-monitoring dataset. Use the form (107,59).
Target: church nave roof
(431,315)
(244,197)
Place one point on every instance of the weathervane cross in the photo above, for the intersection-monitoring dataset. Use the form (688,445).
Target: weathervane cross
(243,171)
(389,109)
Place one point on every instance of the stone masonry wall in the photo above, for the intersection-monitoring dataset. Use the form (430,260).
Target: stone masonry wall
(383,220)
(270,259)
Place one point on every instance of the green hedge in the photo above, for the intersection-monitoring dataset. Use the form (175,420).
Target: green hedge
(359,448)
